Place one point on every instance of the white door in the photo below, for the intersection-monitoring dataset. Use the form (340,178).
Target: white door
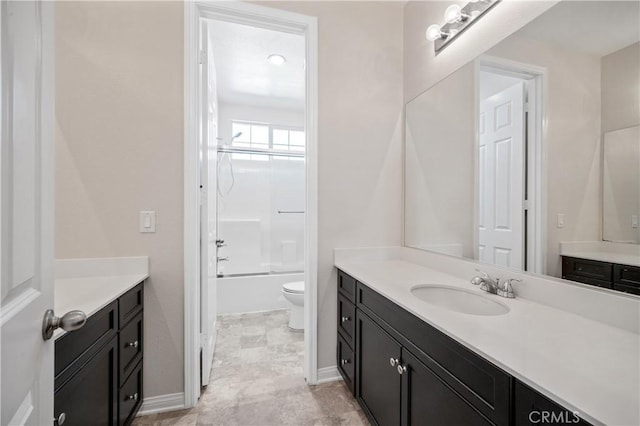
(27,172)
(501,178)
(208,181)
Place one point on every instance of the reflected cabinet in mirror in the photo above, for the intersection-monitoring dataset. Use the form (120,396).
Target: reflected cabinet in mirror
(530,154)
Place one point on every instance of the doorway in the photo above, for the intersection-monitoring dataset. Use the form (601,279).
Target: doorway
(509,179)
(254,174)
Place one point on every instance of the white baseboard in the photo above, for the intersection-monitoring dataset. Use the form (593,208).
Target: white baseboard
(328,374)
(162,404)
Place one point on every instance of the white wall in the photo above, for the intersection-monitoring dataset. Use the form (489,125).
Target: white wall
(119,150)
(440,165)
(621,89)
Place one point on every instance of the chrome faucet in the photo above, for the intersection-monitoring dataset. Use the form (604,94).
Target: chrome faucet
(507,289)
(493,286)
(486,282)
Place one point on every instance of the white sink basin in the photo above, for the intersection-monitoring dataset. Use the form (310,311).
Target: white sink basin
(458,300)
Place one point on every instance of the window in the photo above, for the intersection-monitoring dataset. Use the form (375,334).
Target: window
(266,136)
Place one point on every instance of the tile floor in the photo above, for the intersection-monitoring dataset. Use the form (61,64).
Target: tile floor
(257,381)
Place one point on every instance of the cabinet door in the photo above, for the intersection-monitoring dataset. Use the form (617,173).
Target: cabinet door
(378,381)
(428,400)
(90,396)
(532,408)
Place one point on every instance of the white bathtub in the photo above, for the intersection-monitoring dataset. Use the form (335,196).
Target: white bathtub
(253,293)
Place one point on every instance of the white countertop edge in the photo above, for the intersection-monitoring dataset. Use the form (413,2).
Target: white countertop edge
(347,266)
(90,306)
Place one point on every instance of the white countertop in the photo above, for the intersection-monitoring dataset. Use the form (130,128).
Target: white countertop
(580,363)
(90,294)
(602,256)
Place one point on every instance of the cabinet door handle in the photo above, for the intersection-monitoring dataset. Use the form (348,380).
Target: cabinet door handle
(394,361)
(402,369)
(345,319)
(134,344)
(344,361)
(131,397)
(59,421)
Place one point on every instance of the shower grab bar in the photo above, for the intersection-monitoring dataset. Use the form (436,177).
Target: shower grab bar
(290,211)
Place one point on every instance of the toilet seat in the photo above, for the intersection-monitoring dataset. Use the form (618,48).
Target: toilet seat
(296,287)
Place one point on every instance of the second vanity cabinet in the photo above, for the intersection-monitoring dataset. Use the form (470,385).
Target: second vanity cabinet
(618,277)
(406,372)
(98,368)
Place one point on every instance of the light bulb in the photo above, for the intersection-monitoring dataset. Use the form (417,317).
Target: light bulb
(276,59)
(453,14)
(433,32)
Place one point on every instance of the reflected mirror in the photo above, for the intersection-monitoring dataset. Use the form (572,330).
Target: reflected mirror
(532,149)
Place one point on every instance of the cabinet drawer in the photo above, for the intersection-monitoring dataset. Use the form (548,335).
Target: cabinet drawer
(586,280)
(626,275)
(480,383)
(587,268)
(130,303)
(346,362)
(99,329)
(347,286)
(130,397)
(130,346)
(631,289)
(346,319)
(89,397)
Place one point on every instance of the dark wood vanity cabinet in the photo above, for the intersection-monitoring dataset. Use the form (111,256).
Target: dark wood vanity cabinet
(602,274)
(408,373)
(98,368)
(345,352)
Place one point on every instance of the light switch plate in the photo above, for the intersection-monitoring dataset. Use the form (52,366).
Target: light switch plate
(147,221)
(560,223)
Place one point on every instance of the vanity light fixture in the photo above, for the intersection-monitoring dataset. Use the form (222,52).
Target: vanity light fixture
(457,19)
(276,59)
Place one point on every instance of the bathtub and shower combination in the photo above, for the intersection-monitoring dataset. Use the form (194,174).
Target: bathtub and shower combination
(260,232)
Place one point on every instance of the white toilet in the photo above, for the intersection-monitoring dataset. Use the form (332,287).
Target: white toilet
(294,293)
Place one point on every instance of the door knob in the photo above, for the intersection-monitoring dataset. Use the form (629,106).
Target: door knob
(402,369)
(393,361)
(70,321)
(59,421)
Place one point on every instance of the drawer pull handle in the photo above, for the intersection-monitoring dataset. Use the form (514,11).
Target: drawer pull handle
(394,362)
(132,344)
(579,269)
(402,369)
(345,319)
(133,397)
(344,361)
(60,420)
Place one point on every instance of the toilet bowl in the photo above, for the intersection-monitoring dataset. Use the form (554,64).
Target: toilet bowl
(294,293)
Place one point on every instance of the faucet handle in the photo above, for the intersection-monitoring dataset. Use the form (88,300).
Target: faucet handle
(507,288)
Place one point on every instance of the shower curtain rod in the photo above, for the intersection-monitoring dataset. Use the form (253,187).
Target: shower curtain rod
(259,151)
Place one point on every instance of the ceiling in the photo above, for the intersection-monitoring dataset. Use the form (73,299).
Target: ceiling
(594,27)
(244,74)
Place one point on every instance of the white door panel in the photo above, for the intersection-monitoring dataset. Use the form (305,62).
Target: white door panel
(26,190)
(501,178)
(208,180)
